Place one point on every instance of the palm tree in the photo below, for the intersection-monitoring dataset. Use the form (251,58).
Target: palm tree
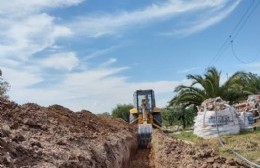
(252,83)
(209,86)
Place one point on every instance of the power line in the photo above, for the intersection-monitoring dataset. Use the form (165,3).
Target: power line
(235,35)
(236,30)
(224,45)
(238,27)
(240,60)
(245,21)
(220,51)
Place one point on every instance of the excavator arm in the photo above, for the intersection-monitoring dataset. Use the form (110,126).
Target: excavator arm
(145,115)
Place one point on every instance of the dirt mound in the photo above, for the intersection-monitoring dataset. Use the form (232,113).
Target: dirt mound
(54,136)
(170,153)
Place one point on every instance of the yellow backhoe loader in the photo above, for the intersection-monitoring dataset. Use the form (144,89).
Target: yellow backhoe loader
(146,115)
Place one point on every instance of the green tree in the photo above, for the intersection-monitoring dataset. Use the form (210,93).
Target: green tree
(189,114)
(170,115)
(178,115)
(4,87)
(209,86)
(122,111)
(252,83)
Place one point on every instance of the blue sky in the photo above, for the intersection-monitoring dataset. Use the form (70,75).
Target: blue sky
(93,54)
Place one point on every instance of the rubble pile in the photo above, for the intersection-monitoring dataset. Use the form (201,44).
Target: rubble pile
(213,104)
(249,112)
(54,136)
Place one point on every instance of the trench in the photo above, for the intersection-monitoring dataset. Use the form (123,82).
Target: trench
(142,158)
(126,154)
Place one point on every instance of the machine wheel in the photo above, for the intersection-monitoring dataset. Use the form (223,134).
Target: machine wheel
(157,119)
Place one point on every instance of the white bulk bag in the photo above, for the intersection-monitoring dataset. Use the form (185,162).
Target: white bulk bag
(244,119)
(226,119)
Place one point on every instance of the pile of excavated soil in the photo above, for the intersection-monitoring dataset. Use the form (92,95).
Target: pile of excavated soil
(169,153)
(54,136)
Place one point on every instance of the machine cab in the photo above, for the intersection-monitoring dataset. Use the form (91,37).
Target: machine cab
(144,95)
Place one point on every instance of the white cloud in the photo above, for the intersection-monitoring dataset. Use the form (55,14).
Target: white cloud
(97,90)
(26,29)
(17,8)
(207,21)
(93,79)
(31,35)
(100,52)
(20,80)
(108,63)
(183,71)
(252,65)
(60,61)
(95,26)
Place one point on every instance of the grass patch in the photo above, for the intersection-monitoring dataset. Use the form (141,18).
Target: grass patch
(247,143)
(188,136)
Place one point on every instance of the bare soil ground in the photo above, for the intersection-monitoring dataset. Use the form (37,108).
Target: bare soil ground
(142,159)
(169,153)
(54,136)
(246,143)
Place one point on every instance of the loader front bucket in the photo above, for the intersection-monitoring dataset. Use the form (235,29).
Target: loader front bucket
(144,135)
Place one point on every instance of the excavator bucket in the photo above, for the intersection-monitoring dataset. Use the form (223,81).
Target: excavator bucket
(146,115)
(144,135)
